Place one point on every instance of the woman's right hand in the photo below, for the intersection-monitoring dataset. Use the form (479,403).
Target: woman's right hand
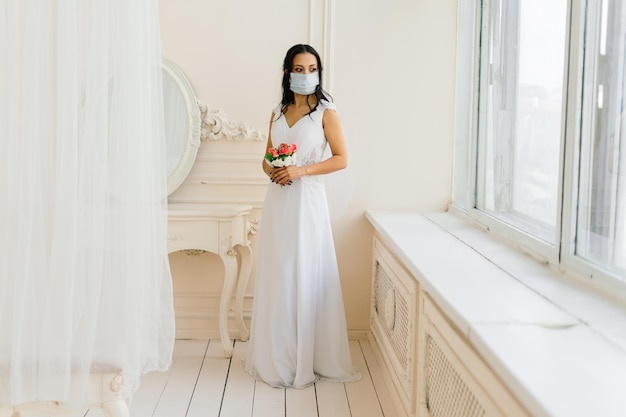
(284,175)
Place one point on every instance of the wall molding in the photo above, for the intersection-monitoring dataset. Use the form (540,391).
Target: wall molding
(321,28)
(216,126)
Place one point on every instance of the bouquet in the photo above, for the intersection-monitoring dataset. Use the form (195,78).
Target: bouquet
(283,156)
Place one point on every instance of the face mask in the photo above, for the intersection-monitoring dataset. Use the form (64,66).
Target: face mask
(304,84)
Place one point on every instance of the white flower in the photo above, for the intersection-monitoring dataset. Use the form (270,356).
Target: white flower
(288,161)
(278,163)
(283,161)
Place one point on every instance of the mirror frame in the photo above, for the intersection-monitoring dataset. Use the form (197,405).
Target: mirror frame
(194,126)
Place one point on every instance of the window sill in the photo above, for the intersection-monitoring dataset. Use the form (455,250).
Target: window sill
(558,344)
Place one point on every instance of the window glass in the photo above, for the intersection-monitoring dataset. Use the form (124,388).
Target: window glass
(521,106)
(601,225)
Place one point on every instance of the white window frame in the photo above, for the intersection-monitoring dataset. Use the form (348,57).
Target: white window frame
(470,23)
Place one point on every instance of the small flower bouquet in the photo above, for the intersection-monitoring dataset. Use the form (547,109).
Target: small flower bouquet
(283,156)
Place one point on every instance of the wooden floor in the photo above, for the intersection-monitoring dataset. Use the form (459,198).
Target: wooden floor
(202,383)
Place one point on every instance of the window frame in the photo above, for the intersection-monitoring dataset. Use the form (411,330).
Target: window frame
(472,23)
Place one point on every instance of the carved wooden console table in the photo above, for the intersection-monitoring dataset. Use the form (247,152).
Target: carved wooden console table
(221,229)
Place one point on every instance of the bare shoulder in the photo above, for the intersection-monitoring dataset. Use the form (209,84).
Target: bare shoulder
(330,117)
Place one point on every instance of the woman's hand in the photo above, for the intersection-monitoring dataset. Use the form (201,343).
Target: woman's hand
(285,175)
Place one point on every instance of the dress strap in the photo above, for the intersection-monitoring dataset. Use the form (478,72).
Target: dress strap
(325,104)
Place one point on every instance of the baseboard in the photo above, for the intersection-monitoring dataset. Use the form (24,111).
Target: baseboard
(212,332)
(358,335)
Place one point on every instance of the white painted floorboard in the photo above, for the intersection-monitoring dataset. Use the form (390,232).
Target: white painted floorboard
(202,383)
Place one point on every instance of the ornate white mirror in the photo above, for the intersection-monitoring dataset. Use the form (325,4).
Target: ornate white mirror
(182,124)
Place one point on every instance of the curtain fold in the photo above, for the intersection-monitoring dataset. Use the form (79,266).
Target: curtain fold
(85,284)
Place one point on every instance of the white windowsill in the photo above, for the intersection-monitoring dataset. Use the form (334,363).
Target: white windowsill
(557,344)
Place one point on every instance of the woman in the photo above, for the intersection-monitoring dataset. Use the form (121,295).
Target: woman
(298,332)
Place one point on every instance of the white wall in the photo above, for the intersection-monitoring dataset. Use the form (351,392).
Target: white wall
(390,67)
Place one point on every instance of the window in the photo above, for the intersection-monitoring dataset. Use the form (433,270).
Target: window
(521,93)
(600,226)
(541,117)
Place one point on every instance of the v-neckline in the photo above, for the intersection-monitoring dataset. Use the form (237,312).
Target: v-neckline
(296,122)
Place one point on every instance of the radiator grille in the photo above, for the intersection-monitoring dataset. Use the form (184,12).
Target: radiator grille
(447,395)
(392,309)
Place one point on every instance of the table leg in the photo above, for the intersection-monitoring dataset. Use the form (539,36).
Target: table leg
(230,278)
(245,254)
(116,408)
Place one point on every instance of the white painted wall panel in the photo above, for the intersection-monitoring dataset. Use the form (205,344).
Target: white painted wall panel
(390,66)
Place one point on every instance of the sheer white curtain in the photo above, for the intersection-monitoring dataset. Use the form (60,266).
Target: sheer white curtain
(84,277)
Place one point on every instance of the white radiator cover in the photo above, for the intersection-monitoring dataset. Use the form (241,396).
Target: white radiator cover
(433,369)
(454,380)
(446,392)
(393,324)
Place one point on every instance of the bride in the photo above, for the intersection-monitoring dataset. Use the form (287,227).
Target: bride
(298,333)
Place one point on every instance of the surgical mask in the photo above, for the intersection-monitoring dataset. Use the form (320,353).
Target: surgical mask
(304,84)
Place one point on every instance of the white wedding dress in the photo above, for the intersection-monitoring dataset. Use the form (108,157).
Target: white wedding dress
(298,331)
